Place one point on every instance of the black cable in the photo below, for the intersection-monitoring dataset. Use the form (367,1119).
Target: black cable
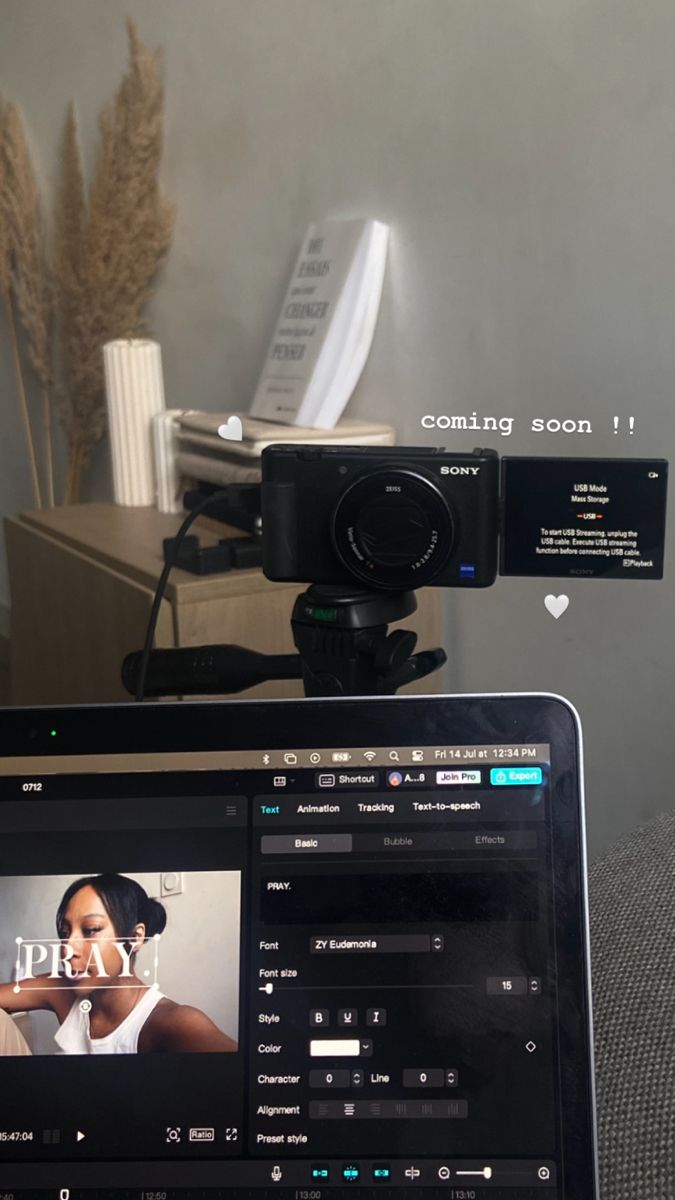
(161,586)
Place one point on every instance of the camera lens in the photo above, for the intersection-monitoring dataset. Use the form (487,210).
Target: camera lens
(393,529)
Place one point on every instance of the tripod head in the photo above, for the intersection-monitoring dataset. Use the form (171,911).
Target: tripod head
(345,647)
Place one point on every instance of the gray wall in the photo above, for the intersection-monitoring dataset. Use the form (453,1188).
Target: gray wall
(523,155)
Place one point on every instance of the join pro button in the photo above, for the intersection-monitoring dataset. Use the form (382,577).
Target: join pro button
(515,776)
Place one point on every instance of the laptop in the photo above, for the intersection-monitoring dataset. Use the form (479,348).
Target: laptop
(318,948)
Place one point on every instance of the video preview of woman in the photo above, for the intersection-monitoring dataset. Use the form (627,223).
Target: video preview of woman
(101,1003)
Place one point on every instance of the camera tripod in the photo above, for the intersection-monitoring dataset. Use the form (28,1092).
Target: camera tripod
(341,633)
(344,649)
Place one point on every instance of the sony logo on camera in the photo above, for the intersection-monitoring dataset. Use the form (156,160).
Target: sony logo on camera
(460,470)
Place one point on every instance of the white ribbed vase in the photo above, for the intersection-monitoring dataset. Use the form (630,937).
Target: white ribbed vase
(135,394)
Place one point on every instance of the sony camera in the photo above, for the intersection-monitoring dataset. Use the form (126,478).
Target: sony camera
(394,519)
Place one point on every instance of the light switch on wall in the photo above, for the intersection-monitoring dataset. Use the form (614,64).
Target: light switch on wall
(171,883)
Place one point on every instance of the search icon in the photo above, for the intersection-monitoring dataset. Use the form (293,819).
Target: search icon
(393,755)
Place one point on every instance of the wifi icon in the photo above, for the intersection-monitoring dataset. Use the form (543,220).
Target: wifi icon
(369,755)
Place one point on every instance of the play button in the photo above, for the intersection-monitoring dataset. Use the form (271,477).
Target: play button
(80,1135)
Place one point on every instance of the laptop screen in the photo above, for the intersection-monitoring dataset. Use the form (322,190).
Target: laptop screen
(298,967)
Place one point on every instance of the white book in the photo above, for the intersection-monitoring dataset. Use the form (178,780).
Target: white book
(201,454)
(326,325)
(200,429)
(213,469)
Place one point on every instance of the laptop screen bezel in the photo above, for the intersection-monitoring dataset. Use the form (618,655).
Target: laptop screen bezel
(36,739)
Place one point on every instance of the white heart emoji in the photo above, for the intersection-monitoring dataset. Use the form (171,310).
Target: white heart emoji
(556,605)
(232,430)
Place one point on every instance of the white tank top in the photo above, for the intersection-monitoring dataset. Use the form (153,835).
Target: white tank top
(74,1036)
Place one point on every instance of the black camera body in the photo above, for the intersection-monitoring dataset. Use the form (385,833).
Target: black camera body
(394,518)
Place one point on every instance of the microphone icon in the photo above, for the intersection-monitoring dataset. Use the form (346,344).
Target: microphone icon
(276,1173)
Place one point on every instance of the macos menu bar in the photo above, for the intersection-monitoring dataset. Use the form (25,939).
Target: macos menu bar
(301,757)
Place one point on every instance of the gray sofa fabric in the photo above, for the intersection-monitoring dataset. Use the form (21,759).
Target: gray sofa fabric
(632,903)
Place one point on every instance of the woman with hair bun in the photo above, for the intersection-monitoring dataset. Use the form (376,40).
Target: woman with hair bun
(101,1004)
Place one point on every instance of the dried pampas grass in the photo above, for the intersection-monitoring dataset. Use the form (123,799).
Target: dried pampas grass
(25,281)
(5,250)
(108,246)
(108,250)
(79,395)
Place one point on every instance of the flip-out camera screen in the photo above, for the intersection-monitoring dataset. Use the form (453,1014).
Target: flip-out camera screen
(584,517)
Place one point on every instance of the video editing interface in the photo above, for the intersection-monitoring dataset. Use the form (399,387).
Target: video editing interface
(325,969)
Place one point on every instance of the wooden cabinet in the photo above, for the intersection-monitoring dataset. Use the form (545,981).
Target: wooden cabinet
(82,581)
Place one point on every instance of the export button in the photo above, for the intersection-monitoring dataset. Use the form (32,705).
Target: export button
(515,776)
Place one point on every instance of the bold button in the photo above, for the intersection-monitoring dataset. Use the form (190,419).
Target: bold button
(319,1017)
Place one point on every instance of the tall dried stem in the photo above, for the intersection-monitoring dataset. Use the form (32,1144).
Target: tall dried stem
(30,280)
(23,402)
(6,291)
(72,305)
(109,247)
